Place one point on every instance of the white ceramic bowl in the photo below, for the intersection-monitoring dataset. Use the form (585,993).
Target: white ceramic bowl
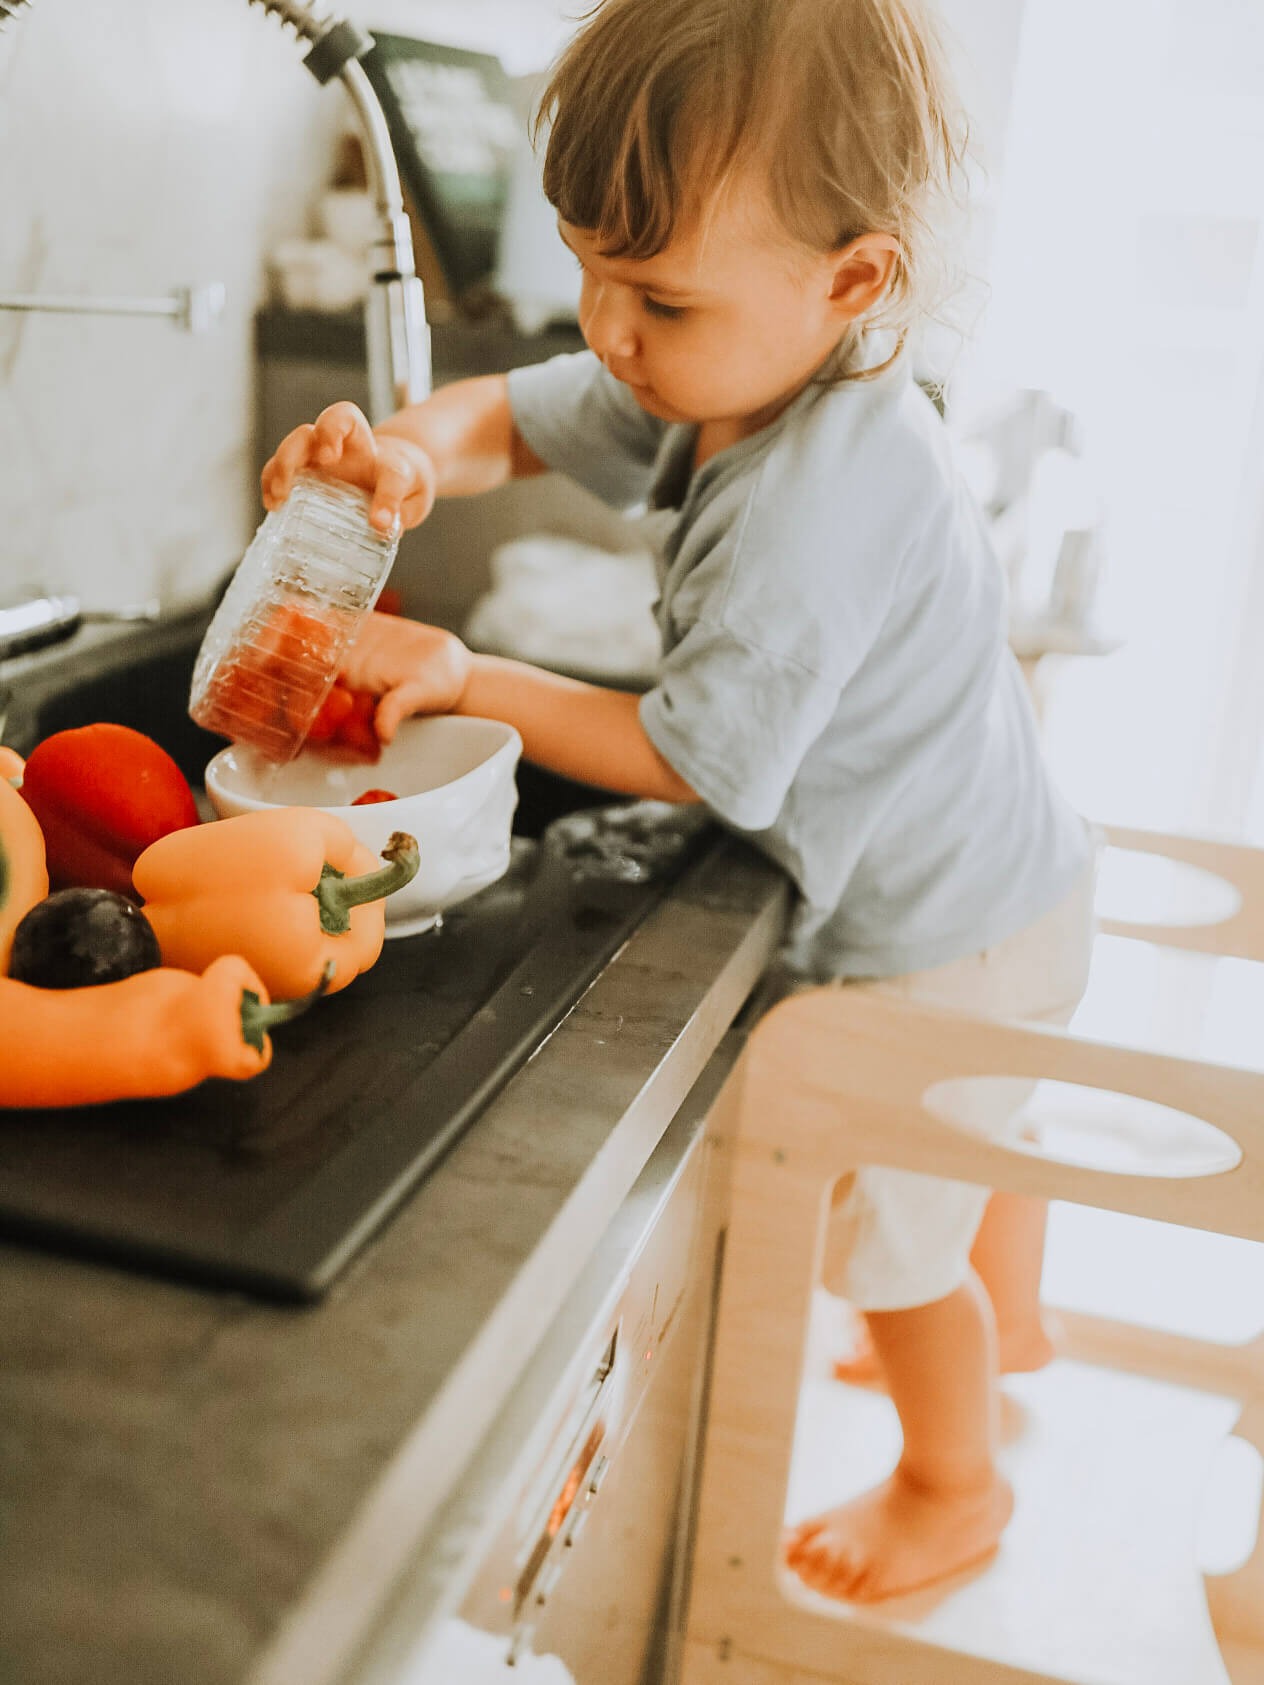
(454,777)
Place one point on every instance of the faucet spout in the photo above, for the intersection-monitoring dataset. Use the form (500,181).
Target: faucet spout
(396,332)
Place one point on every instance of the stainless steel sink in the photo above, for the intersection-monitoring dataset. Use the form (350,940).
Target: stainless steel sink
(145,684)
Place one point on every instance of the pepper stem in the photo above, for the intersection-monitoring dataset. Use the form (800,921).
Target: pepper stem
(336,895)
(257,1019)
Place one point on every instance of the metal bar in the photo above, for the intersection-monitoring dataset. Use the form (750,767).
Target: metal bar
(194,308)
(171,305)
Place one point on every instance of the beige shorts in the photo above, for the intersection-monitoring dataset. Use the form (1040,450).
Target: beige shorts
(897,1238)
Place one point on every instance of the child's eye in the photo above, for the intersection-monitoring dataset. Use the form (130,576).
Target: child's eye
(655,307)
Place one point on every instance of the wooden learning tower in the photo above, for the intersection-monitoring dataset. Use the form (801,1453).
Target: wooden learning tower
(1096,1582)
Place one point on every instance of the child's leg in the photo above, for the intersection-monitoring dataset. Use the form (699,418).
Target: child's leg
(943,1248)
(946,1505)
(1008,1256)
(898,1245)
(1039,974)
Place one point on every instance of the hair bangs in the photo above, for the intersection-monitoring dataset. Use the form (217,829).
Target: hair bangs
(639,127)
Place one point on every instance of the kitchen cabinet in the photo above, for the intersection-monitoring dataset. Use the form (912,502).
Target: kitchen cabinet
(567,1541)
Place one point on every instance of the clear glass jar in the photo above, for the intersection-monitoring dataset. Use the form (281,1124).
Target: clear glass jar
(299,596)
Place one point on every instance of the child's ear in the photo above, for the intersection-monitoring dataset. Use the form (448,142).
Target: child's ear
(862,272)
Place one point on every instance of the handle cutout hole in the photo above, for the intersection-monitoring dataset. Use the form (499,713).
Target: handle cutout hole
(1134,887)
(1094,1128)
(1229,1520)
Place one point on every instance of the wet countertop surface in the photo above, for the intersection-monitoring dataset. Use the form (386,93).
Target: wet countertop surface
(179,1465)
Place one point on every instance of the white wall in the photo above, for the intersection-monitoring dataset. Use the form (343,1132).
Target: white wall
(144,144)
(1128,280)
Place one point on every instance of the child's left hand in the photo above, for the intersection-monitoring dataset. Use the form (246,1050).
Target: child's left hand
(413,668)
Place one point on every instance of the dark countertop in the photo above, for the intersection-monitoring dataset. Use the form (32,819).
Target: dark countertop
(179,1466)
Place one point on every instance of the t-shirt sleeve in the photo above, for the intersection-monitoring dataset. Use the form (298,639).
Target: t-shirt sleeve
(582,422)
(735,721)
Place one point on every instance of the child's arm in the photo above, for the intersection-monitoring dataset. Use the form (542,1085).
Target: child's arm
(460,440)
(583,731)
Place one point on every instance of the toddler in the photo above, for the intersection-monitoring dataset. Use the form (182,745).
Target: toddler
(746,187)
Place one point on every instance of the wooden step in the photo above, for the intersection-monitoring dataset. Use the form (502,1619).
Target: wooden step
(1096,1579)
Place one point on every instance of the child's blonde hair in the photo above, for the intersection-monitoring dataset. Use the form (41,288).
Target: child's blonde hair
(844,105)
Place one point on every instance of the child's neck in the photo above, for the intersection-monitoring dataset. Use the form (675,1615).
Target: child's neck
(716,436)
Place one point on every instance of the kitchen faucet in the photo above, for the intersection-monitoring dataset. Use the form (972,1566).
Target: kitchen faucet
(396,333)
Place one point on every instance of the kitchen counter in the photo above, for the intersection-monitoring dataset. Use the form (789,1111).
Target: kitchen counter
(197,1487)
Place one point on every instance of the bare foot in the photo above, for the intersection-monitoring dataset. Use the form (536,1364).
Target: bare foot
(897,1537)
(1020,1351)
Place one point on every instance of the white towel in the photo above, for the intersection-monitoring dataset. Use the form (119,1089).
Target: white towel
(559,602)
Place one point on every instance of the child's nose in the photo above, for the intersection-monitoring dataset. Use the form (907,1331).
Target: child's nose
(607,323)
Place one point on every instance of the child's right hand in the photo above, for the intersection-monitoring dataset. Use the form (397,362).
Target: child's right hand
(410,667)
(397,472)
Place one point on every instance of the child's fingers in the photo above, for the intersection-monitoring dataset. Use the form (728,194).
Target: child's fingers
(342,436)
(389,491)
(426,694)
(402,489)
(291,455)
(796,1540)
(401,704)
(418,503)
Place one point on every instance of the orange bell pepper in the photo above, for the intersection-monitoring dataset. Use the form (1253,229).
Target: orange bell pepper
(159,1032)
(23,873)
(290,888)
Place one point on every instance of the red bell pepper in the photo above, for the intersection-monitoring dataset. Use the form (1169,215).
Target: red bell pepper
(102,794)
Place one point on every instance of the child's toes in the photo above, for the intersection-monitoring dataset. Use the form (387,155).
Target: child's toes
(829,1567)
(795,1540)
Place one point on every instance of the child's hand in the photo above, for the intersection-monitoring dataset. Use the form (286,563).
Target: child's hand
(397,472)
(413,668)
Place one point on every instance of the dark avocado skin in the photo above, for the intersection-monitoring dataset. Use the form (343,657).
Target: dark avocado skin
(76,938)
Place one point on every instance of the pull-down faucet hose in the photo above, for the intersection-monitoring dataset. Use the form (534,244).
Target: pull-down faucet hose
(395,314)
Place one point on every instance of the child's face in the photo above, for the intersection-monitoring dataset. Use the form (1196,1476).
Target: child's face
(730,320)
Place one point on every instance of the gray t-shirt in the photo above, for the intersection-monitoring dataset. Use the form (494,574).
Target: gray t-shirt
(836,682)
